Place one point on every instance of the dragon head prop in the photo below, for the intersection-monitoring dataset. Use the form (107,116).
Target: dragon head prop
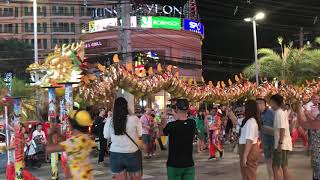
(63,65)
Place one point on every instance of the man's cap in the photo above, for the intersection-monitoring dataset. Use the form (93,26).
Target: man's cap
(182,104)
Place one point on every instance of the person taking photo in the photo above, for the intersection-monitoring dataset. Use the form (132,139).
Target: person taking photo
(180,164)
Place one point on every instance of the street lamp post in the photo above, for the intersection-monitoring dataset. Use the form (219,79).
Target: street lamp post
(258,16)
(35,36)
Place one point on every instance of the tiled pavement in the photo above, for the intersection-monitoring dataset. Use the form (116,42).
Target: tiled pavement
(223,169)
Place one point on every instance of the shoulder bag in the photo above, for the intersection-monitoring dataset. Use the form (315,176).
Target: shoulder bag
(138,153)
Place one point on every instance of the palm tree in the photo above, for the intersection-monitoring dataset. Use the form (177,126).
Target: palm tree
(292,65)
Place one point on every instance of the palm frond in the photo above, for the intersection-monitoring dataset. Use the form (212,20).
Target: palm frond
(249,71)
(267,52)
(317,40)
(280,41)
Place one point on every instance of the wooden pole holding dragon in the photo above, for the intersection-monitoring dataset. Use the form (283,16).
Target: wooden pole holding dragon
(52,115)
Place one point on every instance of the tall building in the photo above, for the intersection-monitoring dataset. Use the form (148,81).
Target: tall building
(58,21)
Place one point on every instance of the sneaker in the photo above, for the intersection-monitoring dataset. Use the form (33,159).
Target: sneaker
(212,158)
(100,164)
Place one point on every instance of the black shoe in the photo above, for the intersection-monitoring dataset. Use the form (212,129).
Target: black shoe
(221,154)
(212,158)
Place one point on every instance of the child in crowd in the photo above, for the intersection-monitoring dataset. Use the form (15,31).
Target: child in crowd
(154,131)
(200,122)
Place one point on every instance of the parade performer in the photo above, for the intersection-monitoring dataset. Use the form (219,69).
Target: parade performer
(18,145)
(214,136)
(77,147)
(297,131)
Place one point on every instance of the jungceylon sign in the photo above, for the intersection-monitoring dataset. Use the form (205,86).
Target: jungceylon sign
(141,9)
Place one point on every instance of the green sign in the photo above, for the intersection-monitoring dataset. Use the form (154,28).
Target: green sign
(160,22)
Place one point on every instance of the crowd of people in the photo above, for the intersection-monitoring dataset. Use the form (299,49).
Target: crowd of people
(271,126)
(253,126)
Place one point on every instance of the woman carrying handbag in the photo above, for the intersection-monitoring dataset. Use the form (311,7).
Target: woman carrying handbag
(124,130)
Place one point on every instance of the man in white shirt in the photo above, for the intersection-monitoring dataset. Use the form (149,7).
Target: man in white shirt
(282,139)
(39,132)
(311,108)
(311,111)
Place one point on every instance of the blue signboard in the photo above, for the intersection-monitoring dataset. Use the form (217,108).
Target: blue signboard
(194,26)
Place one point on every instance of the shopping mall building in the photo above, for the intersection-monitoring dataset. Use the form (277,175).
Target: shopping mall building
(170,34)
(164,31)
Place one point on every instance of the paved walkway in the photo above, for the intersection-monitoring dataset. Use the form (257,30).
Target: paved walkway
(226,168)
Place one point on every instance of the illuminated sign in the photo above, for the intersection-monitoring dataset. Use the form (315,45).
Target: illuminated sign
(140,9)
(96,44)
(160,22)
(194,26)
(93,44)
(103,24)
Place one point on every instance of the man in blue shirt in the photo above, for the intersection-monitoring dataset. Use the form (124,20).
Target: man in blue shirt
(267,117)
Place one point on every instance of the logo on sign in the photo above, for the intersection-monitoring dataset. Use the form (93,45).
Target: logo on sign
(194,26)
(146,21)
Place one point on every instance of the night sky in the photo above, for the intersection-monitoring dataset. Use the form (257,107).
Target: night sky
(228,43)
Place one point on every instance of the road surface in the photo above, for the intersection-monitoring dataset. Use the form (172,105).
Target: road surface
(226,168)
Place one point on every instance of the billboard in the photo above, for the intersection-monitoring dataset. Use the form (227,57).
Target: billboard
(140,10)
(194,26)
(103,24)
(160,22)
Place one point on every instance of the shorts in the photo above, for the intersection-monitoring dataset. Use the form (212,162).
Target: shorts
(280,158)
(268,151)
(181,173)
(146,138)
(129,162)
